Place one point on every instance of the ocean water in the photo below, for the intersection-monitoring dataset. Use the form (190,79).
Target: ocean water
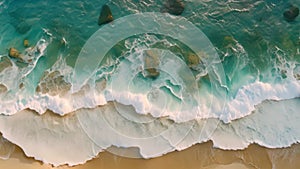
(226,71)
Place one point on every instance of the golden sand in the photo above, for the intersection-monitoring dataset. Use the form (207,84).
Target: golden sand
(200,156)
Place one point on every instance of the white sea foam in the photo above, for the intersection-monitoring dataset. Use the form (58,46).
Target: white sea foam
(131,126)
(43,137)
(179,104)
(250,95)
(49,138)
(134,127)
(273,124)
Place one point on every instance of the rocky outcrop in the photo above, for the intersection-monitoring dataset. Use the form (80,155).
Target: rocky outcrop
(3,88)
(26,43)
(174,7)
(13,52)
(53,83)
(151,63)
(291,13)
(105,15)
(193,60)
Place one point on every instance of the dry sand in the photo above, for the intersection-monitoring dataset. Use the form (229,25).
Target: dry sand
(200,156)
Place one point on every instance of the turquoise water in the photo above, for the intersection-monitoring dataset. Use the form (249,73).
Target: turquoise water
(248,55)
(258,27)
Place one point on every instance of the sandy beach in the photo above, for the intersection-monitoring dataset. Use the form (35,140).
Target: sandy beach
(200,156)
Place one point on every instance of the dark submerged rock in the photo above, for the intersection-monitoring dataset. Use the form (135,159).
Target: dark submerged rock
(3,88)
(174,7)
(105,15)
(151,64)
(21,85)
(23,27)
(291,14)
(152,73)
(193,60)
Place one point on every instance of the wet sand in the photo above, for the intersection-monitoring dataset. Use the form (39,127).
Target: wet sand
(200,156)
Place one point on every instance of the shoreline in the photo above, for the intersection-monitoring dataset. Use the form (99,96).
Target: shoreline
(199,156)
